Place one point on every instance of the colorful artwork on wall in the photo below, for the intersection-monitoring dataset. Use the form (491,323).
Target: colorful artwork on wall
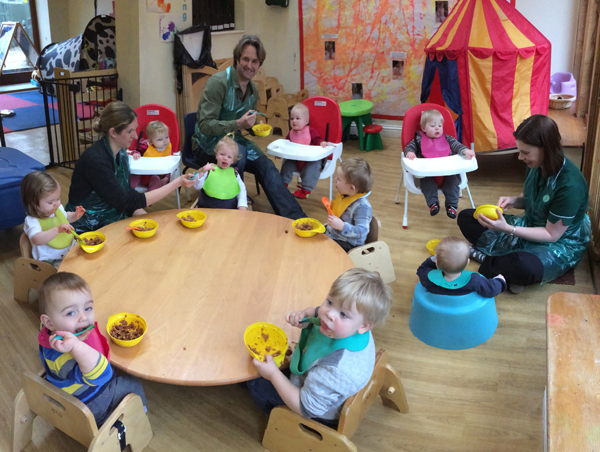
(378,44)
(170,24)
(158,6)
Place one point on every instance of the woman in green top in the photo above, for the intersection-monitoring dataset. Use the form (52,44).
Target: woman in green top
(100,181)
(552,236)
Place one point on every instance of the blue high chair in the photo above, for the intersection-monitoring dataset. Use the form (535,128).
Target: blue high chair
(452,322)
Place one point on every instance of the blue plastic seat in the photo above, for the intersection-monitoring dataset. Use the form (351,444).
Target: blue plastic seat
(452,322)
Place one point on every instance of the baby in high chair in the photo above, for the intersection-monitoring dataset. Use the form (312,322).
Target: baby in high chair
(431,142)
(159,145)
(220,185)
(47,224)
(303,133)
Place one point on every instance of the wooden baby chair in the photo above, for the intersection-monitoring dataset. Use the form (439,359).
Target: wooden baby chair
(278,115)
(288,431)
(70,415)
(29,272)
(374,255)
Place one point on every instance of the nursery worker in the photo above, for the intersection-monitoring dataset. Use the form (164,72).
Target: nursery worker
(228,104)
(100,182)
(552,236)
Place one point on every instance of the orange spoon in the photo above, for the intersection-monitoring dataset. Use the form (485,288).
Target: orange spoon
(325,201)
(136,228)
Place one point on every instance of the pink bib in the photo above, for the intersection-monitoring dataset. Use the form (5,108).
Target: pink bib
(434,147)
(301,136)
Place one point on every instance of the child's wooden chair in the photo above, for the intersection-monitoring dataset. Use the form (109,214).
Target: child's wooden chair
(127,425)
(278,115)
(374,255)
(288,431)
(29,272)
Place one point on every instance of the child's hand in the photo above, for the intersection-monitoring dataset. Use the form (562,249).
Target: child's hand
(469,154)
(136,155)
(324,144)
(65,228)
(294,318)
(267,369)
(500,277)
(164,180)
(411,155)
(208,167)
(335,222)
(79,211)
(242,208)
(64,345)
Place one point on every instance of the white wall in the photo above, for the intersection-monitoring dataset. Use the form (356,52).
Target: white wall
(557,20)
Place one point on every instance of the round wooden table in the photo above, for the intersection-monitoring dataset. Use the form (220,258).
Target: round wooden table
(199,289)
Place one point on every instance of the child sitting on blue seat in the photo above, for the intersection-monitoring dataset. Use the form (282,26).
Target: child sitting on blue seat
(335,356)
(79,364)
(351,220)
(445,274)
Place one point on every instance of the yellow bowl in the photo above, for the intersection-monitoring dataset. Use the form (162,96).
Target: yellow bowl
(92,235)
(431,246)
(197,215)
(144,224)
(317,227)
(488,210)
(264,338)
(262,130)
(129,318)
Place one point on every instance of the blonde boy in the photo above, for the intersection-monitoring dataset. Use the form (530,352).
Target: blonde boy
(335,356)
(79,364)
(445,274)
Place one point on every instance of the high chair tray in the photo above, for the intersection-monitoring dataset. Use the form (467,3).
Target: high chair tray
(293,151)
(154,165)
(441,166)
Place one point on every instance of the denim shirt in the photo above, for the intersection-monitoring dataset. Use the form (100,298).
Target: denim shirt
(356,218)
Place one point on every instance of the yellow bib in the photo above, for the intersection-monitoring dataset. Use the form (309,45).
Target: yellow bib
(341,203)
(153,152)
(62,240)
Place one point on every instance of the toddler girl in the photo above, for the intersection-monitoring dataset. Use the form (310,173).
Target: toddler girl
(220,185)
(47,222)
(302,133)
(431,142)
(159,145)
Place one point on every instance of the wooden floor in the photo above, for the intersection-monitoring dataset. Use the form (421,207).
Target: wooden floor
(484,399)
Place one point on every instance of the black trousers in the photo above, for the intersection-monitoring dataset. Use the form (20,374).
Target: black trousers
(521,267)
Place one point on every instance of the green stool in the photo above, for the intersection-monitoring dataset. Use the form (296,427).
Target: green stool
(359,112)
(373,138)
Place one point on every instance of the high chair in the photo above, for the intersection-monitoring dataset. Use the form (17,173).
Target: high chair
(29,272)
(418,168)
(374,255)
(128,425)
(287,431)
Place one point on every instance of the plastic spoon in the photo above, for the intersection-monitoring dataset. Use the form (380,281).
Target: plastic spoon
(90,327)
(314,320)
(78,238)
(259,113)
(135,228)
(325,201)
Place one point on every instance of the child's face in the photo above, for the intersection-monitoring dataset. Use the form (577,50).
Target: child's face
(224,157)
(71,311)
(338,322)
(342,185)
(161,140)
(434,128)
(298,120)
(50,203)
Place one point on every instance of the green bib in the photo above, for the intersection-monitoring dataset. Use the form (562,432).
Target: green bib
(314,345)
(221,184)
(62,240)
(437,278)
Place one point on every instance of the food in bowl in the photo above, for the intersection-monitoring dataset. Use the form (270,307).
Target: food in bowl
(266,339)
(144,229)
(305,226)
(125,331)
(188,218)
(93,241)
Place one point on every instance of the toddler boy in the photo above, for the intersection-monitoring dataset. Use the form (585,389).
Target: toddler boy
(79,364)
(335,356)
(350,223)
(445,274)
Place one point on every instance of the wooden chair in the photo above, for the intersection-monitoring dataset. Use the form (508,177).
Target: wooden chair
(288,431)
(278,115)
(302,95)
(29,272)
(374,255)
(67,413)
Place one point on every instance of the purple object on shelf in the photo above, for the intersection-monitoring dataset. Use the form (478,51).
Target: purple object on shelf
(563,83)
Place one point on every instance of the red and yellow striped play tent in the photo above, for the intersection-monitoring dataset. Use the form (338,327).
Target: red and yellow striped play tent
(491,68)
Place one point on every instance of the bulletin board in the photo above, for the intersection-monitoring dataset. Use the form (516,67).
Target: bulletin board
(370,49)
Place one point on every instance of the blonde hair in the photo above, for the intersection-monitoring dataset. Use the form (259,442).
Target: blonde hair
(430,115)
(358,173)
(60,281)
(34,187)
(117,115)
(302,110)
(154,128)
(367,291)
(228,142)
(452,254)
